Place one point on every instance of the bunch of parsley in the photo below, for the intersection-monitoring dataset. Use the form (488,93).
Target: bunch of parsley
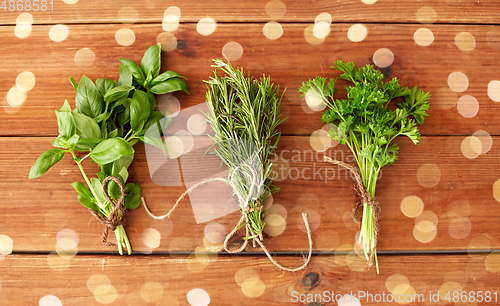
(109,118)
(365,123)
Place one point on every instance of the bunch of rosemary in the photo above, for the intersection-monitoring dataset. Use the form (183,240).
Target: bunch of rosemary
(244,113)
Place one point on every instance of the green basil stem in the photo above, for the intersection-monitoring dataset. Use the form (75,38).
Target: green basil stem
(121,235)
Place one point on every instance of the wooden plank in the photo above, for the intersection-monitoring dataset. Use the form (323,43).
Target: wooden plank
(223,280)
(99,11)
(457,196)
(290,60)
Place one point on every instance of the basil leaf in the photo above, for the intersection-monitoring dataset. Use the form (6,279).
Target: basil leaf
(125,76)
(165,76)
(139,110)
(87,144)
(123,174)
(124,117)
(114,190)
(105,85)
(97,185)
(89,203)
(155,142)
(117,93)
(86,127)
(60,142)
(122,162)
(147,82)
(152,102)
(73,141)
(45,161)
(82,190)
(169,85)
(73,82)
(151,61)
(133,196)
(113,133)
(88,99)
(136,71)
(133,141)
(154,118)
(110,150)
(102,175)
(65,121)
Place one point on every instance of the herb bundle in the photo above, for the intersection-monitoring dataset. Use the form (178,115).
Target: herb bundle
(368,127)
(244,114)
(109,118)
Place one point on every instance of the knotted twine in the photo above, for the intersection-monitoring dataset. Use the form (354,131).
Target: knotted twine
(365,198)
(245,209)
(117,215)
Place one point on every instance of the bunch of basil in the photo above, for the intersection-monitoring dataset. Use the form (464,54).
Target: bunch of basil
(109,118)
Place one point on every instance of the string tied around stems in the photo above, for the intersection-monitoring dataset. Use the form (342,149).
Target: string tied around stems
(245,209)
(116,216)
(366,198)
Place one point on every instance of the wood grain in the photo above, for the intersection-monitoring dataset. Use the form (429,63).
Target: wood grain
(290,60)
(148,11)
(223,280)
(462,201)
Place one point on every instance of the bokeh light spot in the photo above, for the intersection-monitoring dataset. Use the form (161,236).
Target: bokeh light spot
(206,26)
(197,124)
(125,37)
(151,238)
(383,57)
(467,106)
(151,291)
(173,10)
(471,147)
(428,175)
(16,97)
(494,90)
(426,15)
(50,300)
(170,23)
(198,297)
(275,9)
(84,57)
(459,227)
(423,37)
(310,37)
(167,40)
(232,50)
(58,32)
(272,30)
(357,33)
(128,15)
(412,206)
(458,82)
(465,41)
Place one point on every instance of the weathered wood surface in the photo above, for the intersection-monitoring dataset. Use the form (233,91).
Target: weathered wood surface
(446,248)
(229,280)
(461,204)
(289,60)
(148,11)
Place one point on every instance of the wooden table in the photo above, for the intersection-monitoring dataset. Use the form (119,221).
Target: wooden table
(439,225)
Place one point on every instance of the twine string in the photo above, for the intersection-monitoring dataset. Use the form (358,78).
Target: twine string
(366,198)
(116,216)
(244,203)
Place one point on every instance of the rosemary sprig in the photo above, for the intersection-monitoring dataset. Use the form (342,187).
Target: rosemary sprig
(244,113)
